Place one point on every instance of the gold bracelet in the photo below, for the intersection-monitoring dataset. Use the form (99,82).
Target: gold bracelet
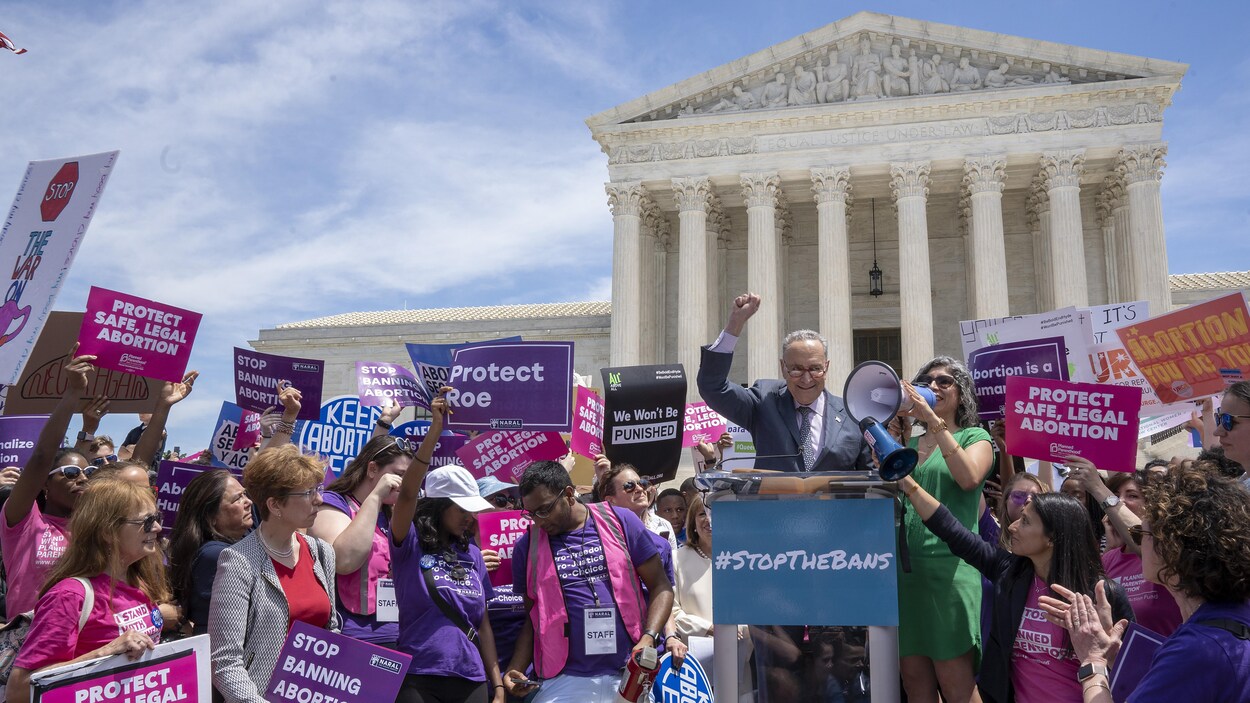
(1096,684)
(912,492)
(941,427)
(951,453)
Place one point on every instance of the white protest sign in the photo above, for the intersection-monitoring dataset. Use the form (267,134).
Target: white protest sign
(1105,319)
(1073,324)
(971,332)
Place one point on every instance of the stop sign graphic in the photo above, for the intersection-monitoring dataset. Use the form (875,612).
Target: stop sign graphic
(60,188)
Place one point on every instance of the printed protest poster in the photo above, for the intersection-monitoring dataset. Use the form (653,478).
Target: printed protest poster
(741,453)
(316,664)
(249,430)
(500,531)
(991,367)
(444,450)
(18,434)
(505,455)
(44,380)
(172,479)
(1073,324)
(1053,420)
(169,673)
(1159,423)
(702,424)
(46,224)
(690,683)
(256,376)
(643,411)
(1181,353)
(587,436)
(225,433)
(1133,661)
(381,384)
(1106,319)
(137,335)
(1232,376)
(972,332)
(1111,364)
(342,428)
(432,363)
(512,386)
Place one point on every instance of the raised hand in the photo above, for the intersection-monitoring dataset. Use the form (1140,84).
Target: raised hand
(174,392)
(290,397)
(94,412)
(390,411)
(744,306)
(439,407)
(76,369)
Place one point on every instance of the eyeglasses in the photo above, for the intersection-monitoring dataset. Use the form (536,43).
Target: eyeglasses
(148,522)
(544,512)
(319,490)
(1019,498)
(943,381)
(817,372)
(503,500)
(72,472)
(631,486)
(1136,532)
(101,461)
(1228,422)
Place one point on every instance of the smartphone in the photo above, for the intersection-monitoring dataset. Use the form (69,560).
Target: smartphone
(527,682)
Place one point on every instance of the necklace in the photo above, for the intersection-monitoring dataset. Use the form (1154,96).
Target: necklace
(700,551)
(281,555)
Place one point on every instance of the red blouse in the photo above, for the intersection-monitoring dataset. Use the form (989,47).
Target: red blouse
(306,599)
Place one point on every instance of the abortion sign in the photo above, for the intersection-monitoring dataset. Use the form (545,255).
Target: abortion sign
(249,430)
(991,367)
(500,531)
(342,429)
(512,386)
(316,664)
(169,673)
(18,434)
(137,335)
(702,424)
(172,479)
(1075,325)
(46,223)
(587,436)
(256,377)
(444,450)
(1054,420)
(382,384)
(225,436)
(433,364)
(505,455)
(644,407)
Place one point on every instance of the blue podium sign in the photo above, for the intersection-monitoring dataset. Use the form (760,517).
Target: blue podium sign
(804,562)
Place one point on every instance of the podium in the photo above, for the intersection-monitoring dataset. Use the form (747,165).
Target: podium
(811,549)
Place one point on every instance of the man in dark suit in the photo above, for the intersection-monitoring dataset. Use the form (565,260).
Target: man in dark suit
(795,417)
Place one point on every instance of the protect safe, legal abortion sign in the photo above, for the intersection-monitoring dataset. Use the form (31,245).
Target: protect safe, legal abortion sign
(813,548)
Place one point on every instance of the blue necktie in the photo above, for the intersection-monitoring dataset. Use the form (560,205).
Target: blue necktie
(805,436)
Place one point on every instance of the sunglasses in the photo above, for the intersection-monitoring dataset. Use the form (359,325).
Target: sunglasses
(1227,421)
(1019,498)
(503,501)
(72,472)
(101,461)
(631,486)
(943,381)
(544,512)
(1136,532)
(319,490)
(148,522)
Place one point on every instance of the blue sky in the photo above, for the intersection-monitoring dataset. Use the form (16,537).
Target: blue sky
(286,160)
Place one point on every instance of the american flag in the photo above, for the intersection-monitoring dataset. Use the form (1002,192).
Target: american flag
(8,44)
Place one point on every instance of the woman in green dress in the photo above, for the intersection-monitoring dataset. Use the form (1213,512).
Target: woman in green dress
(940,600)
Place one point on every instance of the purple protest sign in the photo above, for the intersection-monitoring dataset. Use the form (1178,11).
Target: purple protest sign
(991,366)
(249,431)
(172,479)
(1054,420)
(18,434)
(136,335)
(256,377)
(512,386)
(381,384)
(1133,661)
(506,454)
(702,424)
(587,436)
(317,664)
(444,450)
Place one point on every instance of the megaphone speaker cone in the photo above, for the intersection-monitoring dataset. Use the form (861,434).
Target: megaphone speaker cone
(895,461)
(872,391)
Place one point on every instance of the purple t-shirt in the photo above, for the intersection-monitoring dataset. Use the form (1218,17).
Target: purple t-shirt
(437,646)
(365,628)
(1200,663)
(1153,606)
(507,617)
(583,573)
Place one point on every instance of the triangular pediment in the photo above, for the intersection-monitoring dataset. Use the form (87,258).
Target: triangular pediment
(870,57)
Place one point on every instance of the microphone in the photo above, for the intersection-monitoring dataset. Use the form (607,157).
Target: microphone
(717,465)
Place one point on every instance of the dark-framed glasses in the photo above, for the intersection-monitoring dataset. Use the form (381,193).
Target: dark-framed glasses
(1136,532)
(1228,421)
(148,522)
(72,472)
(943,381)
(545,511)
(798,371)
(318,490)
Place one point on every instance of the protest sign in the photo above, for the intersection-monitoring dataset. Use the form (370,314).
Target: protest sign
(1111,364)
(742,449)
(991,366)
(381,384)
(249,430)
(972,332)
(45,226)
(505,455)
(44,380)
(168,673)
(1106,319)
(1181,353)
(1053,420)
(316,664)
(587,436)
(342,429)
(172,478)
(137,335)
(643,410)
(1159,423)
(1073,324)
(689,684)
(432,363)
(1232,376)
(783,575)
(18,434)
(225,433)
(256,377)
(701,424)
(500,531)
(1133,661)
(512,386)
(444,449)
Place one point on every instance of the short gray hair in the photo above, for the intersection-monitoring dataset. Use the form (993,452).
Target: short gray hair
(804,336)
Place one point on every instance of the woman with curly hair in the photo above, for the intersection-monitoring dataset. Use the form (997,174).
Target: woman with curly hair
(1195,541)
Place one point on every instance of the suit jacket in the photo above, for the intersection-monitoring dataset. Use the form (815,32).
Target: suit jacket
(766,410)
(248,613)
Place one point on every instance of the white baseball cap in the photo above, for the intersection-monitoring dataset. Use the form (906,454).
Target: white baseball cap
(455,482)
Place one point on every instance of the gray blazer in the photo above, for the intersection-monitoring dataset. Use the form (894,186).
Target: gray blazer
(248,613)
(766,410)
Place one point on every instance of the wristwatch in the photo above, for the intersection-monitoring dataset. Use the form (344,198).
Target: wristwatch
(385,425)
(1110,501)
(655,637)
(84,436)
(1090,670)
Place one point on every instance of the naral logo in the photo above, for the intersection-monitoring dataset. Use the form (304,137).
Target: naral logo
(385,664)
(56,197)
(298,366)
(501,424)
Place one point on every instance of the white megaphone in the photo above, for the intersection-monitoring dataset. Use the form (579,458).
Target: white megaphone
(873,395)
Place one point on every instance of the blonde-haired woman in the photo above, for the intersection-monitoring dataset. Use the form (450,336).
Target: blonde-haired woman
(271,578)
(101,598)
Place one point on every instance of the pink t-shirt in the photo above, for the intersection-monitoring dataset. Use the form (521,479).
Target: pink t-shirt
(31,548)
(1154,608)
(54,637)
(1043,665)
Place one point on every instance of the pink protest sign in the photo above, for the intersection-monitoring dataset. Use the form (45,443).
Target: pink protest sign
(249,431)
(500,531)
(506,454)
(136,335)
(173,671)
(702,424)
(1052,420)
(587,436)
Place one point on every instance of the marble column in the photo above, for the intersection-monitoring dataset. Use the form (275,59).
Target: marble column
(909,183)
(1039,223)
(1126,263)
(763,332)
(626,199)
(1141,166)
(963,224)
(1110,257)
(718,227)
(692,274)
(1062,171)
(654,283)
(784,222)
(831,188)
(985,177)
